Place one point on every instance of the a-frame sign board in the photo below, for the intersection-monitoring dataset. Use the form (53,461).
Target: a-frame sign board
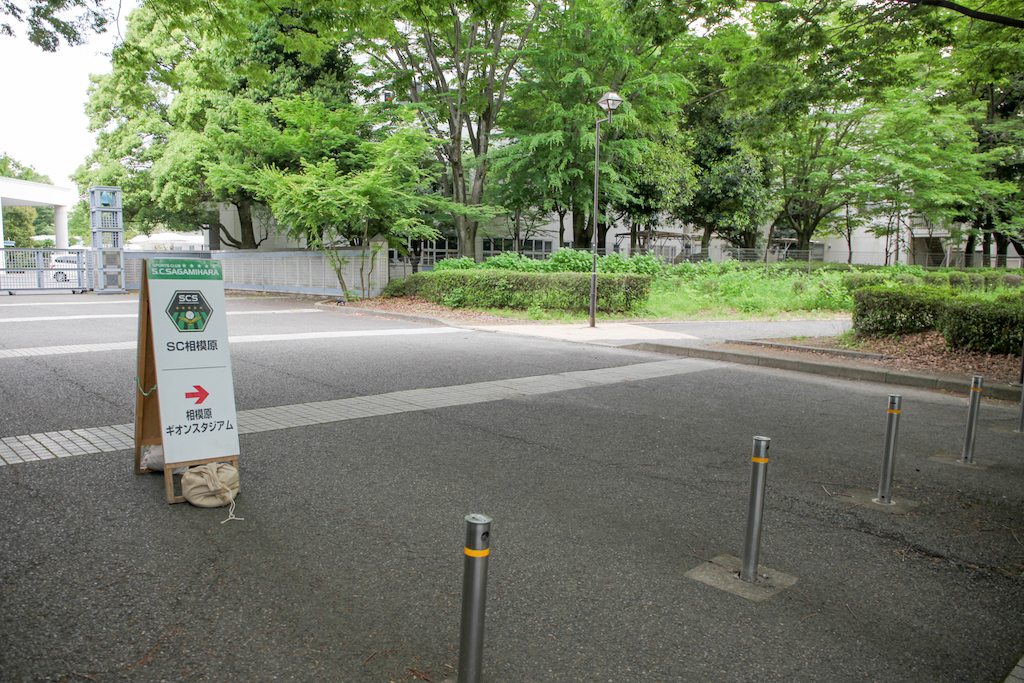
(185,396)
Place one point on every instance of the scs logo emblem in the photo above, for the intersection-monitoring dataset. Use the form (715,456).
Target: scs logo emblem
(189,311)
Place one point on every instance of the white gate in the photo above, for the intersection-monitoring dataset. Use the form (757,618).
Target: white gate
(41,269)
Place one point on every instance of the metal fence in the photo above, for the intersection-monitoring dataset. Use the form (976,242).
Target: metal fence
(950,259)
(40,269)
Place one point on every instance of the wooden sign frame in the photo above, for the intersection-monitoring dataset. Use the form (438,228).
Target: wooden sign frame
(148,427)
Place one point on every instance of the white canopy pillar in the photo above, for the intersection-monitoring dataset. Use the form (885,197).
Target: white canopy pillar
(15,192)
(60,226)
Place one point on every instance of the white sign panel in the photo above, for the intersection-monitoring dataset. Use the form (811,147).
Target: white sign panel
(193,362)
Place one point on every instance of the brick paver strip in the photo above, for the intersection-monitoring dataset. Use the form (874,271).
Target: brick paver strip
(8,456)
(1017,675)
(52,446)
(96,439)
(19,449)
(40,451)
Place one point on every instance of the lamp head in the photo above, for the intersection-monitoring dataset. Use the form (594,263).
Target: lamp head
(610,101)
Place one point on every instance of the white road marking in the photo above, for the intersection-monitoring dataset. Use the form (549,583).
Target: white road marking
(127,345)
(101,316)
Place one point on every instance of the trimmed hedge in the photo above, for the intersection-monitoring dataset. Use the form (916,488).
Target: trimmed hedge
(965,323)
(881,310)
(986,326)
(493,288)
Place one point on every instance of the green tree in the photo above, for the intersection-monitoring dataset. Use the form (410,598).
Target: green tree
(811,89)
(583,49)
(171,112)
(987,87)
(49,22)
(337,207)
(922,165)
(18,225)
(731,195)
(454,64)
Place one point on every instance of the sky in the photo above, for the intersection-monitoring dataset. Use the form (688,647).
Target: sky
(42,100)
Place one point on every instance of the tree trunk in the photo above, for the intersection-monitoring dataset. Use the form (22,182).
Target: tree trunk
(803,240)
(222,233)
(214,231)
(705,239)
(580,230)
(1017,246)
(246,236)
(986,245)
(416,254)
(1002,244)
(517,243)
(969,251)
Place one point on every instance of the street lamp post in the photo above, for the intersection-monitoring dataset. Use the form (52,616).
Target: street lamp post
(610,101)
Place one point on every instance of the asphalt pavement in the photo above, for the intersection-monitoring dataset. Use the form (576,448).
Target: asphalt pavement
(611,474)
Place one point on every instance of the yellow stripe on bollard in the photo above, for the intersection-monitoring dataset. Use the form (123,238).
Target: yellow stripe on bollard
(894,412)
(478,553)
(759,459)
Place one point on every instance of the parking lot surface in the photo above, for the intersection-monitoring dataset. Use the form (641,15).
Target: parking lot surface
(610,473)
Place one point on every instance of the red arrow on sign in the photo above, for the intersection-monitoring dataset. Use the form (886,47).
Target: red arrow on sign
(201,394)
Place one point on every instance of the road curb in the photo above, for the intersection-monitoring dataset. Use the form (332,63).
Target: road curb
(1003,392)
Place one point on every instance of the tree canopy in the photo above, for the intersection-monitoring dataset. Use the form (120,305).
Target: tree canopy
(738,116)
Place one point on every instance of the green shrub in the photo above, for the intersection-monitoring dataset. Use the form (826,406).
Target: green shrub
(396,288)
(1011,280)
(799,286)
(854,281)
(464,263)
(494,288)
(569,260)
(936,279)
(883,310)
(959,280)
(510,260)
(975,282)
(985,326)
(646,264)
(992,279)
(613,263)
(1010,298)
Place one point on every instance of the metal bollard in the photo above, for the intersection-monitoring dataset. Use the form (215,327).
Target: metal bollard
(474,597)
(972,420)
(892,427)
(755,509)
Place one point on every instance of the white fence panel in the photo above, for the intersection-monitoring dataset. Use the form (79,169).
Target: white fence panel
(303,272)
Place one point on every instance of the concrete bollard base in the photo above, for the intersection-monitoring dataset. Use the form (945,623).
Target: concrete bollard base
(723,572)
(868,500)
(956,460)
